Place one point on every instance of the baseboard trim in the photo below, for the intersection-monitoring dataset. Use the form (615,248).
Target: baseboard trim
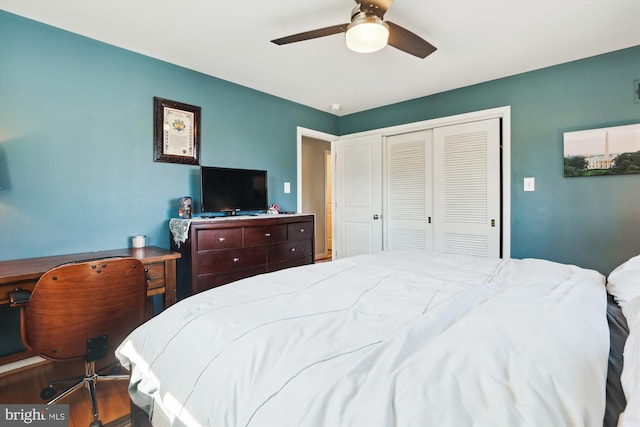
(18,365)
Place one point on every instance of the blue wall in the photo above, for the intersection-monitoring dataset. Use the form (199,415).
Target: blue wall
(76,137)
(593,222)
(76,141)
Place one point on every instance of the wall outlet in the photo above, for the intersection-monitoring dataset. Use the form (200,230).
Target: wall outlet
(287,187)
(530,184)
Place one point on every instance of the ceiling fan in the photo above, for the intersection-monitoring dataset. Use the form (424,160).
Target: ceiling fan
(367,32)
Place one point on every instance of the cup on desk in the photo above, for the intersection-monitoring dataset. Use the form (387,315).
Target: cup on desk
(138,241)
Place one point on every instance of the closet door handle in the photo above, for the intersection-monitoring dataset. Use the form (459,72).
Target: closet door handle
(376,216)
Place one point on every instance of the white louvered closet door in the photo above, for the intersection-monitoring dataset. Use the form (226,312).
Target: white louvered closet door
(467,188)
(409,191)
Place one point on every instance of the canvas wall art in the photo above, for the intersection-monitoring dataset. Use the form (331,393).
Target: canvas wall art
(605,151)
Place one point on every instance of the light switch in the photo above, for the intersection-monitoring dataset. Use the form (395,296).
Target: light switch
(530,184)
(287,187)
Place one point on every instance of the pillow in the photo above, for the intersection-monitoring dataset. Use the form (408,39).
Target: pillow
(624,282)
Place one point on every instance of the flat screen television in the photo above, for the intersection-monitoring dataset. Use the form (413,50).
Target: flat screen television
(231,190)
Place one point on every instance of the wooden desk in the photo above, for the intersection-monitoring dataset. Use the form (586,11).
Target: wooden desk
(24,273)
(161,264)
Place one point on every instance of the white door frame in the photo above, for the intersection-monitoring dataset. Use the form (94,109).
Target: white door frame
(328,200)
(503,113)
(302,132)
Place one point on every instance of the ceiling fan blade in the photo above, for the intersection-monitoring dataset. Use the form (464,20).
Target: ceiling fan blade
(408,42)
(313,34)
(375,7)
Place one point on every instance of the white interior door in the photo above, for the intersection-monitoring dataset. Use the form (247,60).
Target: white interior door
(467,188)
(408,189)
(358,196)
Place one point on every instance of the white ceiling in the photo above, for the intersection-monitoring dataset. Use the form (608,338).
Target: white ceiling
(477,41)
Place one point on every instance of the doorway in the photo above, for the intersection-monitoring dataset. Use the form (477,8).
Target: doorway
(315,186)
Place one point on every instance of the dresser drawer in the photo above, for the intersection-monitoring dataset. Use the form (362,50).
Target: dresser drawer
(156,275)
(231,260)
(209,281)
(291,249)
(300,230)
(254,236)
(290,263)
(223,238)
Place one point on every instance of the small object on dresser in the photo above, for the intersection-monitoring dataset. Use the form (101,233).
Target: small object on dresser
(184,210)
(138,241)
(273,209)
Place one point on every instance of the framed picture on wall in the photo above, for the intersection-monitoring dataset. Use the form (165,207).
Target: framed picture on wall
(176,132)
(604,151)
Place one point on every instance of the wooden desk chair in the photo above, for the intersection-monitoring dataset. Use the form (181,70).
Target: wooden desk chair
(83,311)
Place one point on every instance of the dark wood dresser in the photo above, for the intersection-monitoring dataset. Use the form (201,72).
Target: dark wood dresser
(221,250)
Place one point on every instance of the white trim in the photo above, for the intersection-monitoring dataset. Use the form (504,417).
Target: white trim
(491,113)
(328,176)
(20,364)
(506,182)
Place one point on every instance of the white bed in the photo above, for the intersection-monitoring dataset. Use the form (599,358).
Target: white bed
(398,338)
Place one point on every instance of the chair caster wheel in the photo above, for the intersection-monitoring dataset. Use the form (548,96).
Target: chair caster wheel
(47,393)
(97,423)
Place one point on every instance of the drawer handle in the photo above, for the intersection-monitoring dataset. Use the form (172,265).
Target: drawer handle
(293,249)
(267,234)
(222,239)
(19,297)
(236,259)
(302,230)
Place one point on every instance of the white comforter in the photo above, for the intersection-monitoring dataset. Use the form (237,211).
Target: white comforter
(407,339)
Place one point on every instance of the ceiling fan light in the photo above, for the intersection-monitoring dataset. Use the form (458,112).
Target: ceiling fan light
(367,34)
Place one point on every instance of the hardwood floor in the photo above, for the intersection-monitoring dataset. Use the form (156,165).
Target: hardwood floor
(328,258)
(24,386)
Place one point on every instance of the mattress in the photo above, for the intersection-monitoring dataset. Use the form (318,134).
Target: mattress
(396,338)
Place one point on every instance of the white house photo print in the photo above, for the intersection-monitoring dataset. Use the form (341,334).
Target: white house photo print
(604,151)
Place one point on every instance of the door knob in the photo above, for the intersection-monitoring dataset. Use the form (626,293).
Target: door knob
(376,216)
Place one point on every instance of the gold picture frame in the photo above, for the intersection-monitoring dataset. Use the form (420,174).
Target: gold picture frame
(176,132)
